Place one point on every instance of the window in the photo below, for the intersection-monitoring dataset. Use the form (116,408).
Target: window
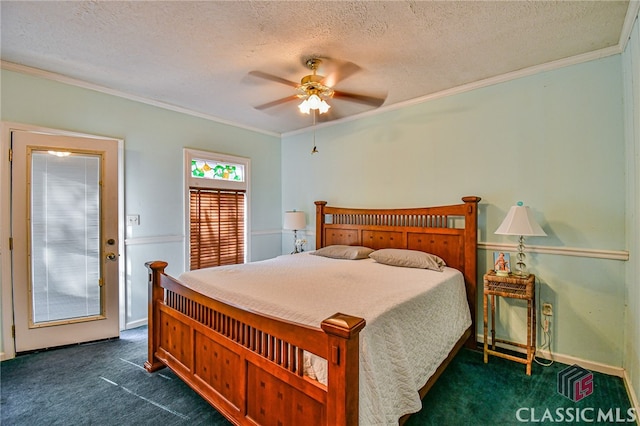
(217,207)
(216,227)
(208,169)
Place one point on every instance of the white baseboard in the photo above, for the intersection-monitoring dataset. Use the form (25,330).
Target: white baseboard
(589,365)
(135,324)
(567,359)
(633,397)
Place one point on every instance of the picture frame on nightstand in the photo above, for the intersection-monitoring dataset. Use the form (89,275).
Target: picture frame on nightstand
(501,263)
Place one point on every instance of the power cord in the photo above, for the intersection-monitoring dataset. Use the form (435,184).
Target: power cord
(546,343)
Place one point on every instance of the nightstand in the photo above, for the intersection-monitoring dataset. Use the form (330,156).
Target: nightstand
(514,287)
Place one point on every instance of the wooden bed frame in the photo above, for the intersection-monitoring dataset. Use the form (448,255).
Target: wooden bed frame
(249,366)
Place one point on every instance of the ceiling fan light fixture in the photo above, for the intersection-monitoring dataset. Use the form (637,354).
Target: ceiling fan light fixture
(304,107)
(314,90)
(324,107)
(314,102)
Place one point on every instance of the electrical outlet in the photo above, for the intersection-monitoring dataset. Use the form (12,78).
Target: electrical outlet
(133,220)
(547,309)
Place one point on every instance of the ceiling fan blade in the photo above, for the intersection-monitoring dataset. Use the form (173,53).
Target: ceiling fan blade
(272,77)
(344,71)
(276,102)
(362,99)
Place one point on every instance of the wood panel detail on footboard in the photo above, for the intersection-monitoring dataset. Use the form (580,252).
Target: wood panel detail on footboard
(251,366)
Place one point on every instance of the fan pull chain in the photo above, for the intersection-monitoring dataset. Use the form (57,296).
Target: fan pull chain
(314,150)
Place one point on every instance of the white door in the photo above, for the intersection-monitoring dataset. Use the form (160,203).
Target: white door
(64,220)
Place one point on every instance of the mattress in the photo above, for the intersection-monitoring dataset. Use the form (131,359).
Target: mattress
(414,316)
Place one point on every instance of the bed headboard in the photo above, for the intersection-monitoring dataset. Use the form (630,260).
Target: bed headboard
(450,232)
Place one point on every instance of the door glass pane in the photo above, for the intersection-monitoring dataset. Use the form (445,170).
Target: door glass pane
(65,236)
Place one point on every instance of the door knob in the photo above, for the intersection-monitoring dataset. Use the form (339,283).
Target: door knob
(112,256)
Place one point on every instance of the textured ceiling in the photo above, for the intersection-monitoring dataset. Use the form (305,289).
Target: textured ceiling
(197,55)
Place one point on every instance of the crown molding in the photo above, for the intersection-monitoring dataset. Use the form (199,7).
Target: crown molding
(630,18)
(502,78)
(48,75)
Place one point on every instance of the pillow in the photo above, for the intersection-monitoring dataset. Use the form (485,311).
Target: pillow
(408,259)
(344,252)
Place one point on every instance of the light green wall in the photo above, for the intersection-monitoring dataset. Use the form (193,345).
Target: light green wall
(154,139)
(554,140)
(631,73)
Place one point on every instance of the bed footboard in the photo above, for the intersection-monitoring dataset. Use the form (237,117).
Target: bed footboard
(250,367)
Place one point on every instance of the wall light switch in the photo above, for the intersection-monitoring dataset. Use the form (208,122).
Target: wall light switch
(133,220)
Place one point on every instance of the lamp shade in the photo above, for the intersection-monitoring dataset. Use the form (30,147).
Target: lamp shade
(520,221)
(314,102)
(304,107)
(294,220)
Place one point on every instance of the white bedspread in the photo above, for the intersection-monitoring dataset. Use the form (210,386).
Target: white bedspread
(414,316)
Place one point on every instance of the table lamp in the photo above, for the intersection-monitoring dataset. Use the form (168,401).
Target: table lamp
(520,221)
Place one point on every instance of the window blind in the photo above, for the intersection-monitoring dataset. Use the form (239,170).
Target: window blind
(216,227)
(65,236)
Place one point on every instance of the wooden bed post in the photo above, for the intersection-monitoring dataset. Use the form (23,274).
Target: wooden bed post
(156,294)
(471,260)
(319,223)
(343,369)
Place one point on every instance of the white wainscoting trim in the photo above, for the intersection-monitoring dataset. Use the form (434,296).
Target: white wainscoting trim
(161,239)
(561,251)
(267,232)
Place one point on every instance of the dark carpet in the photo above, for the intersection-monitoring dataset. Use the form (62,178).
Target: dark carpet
(104,383)
(471,392)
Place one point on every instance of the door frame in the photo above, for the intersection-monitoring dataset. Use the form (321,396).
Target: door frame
(7,348)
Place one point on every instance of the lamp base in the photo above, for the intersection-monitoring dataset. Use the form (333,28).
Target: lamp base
(295,242)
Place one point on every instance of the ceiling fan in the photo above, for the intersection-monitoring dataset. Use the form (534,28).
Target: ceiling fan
(314,90)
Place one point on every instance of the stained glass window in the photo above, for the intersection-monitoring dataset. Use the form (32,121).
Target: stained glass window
(207,169)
